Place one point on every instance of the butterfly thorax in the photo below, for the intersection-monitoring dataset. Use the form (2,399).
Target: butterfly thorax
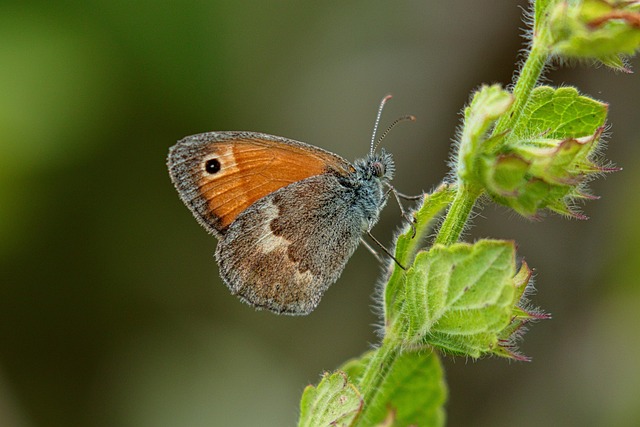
(368,184)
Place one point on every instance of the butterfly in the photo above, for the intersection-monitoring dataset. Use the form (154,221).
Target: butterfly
(287,215)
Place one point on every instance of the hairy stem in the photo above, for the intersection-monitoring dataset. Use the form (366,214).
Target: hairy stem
(466,195)
(377,370)
(458,214)
(527,79)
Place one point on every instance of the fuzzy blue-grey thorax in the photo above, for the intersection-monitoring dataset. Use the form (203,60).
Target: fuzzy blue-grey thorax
(368,185)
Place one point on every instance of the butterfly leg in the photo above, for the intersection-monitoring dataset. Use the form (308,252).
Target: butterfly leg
(410,218)
(372,250)
(384,249)
(407,197)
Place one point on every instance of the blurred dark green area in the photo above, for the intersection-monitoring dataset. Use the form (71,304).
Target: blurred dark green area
(111,309)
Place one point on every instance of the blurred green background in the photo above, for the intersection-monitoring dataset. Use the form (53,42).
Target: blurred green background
(111,309)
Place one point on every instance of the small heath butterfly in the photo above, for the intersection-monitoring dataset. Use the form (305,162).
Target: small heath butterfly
(287,215)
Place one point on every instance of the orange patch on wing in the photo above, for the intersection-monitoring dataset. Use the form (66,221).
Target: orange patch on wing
(254,168)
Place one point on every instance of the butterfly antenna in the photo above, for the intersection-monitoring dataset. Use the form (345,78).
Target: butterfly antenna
(375,126)
(391,126)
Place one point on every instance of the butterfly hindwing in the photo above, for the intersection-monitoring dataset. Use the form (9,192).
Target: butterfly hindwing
(269,255)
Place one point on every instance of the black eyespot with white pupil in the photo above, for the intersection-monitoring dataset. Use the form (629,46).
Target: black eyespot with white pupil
(377,169)
(212,166)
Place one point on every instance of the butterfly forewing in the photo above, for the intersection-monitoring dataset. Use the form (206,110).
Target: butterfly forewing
(220,174)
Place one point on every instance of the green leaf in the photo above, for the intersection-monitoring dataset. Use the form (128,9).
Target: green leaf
(565,162)
(408,244)
(504,175)
(411,393)
(335,401)
(534,195)
(558,114)
(545,161)
(487,105)
(355,367)
(461,297)
(595,29)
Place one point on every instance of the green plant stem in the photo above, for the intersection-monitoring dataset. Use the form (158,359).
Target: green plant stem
(527,79)
(375,373)
(458,214)
(467,194)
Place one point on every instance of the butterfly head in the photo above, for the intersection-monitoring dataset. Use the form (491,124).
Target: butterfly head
(376,166)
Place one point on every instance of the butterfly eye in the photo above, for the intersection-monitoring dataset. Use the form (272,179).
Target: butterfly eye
(212,166)
(377,169)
